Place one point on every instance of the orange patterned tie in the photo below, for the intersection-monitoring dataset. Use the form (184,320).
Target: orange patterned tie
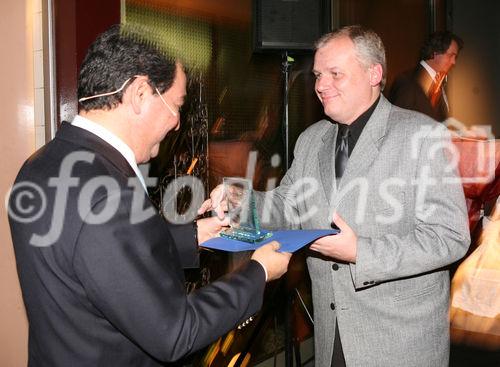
(435,88)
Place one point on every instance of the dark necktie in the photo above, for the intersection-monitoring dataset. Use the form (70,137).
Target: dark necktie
(342,150)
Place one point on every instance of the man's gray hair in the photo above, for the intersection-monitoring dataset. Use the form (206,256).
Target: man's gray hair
(369,46)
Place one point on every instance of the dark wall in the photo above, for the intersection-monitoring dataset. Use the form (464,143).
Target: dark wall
(475,84)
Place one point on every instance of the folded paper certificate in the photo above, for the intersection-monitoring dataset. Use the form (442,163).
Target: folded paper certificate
(290,241)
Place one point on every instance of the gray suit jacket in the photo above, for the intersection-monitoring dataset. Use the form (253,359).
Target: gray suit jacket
(407,208)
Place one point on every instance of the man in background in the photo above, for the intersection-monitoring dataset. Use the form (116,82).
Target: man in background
(422,89)
(100,269)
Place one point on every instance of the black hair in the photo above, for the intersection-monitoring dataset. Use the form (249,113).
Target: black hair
(439,42)
(116,55)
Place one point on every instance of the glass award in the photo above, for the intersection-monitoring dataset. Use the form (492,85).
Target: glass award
(243,218)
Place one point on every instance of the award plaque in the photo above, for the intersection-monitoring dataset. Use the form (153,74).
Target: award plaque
(243,218)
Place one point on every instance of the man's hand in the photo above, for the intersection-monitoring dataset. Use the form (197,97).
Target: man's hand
(275,263)
(210,227)
(342,246)
(217,202)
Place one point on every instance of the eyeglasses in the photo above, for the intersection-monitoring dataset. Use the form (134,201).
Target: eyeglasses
(175,113)
(165,102)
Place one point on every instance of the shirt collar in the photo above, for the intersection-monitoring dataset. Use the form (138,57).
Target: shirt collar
(111,139)
(429,69)
(356,128)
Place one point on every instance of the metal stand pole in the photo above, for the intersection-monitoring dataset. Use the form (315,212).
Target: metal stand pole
(285,68)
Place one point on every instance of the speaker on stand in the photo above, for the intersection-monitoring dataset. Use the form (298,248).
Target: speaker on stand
(289,27)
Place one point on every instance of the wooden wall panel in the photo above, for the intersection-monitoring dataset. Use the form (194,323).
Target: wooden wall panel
(77,23)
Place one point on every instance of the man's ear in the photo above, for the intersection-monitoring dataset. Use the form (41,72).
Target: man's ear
(376,74)
(136,94)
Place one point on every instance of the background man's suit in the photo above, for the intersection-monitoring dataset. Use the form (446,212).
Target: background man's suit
(114,292)
(409,91)
(391,306)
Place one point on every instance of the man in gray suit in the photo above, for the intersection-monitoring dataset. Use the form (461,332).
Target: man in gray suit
(380,287)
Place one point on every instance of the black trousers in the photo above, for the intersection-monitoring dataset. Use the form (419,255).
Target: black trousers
(338,354)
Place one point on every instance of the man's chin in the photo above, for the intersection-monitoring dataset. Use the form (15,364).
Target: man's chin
(152,154)
(330,112)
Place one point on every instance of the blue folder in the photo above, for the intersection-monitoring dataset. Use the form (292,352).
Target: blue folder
(290,241)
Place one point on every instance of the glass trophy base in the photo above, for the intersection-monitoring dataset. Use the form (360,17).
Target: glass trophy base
(245,235)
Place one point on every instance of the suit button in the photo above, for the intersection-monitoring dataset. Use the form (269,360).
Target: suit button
(332,306)
(335,266)
(366,283)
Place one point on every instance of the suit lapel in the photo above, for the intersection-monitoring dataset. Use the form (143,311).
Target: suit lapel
(423,79)
(326,159)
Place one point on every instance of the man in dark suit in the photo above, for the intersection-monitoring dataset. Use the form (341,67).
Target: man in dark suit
(422,88)
(100,270)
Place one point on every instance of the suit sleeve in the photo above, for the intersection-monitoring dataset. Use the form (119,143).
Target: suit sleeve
(132,275)
(186,241)
(440,234)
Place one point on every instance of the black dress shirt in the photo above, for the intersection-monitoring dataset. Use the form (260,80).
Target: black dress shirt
(356,128)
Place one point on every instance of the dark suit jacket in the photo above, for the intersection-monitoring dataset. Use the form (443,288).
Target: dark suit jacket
(112,293)
(409,91)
